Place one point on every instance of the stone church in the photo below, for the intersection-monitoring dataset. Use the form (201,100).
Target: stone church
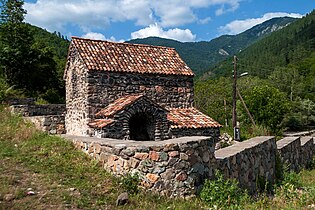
(131,91)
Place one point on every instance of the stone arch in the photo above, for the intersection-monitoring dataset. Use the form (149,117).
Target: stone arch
(150,118)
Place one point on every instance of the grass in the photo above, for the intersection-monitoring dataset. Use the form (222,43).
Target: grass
(65,178)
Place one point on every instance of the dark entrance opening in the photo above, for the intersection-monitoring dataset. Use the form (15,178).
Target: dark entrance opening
(142,127)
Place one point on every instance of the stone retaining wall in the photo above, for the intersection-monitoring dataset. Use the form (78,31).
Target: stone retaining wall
(289,149)
(175,167)
(53,124)
(48,117)
(249,161)
(178,167)
(39,110)
(307,151)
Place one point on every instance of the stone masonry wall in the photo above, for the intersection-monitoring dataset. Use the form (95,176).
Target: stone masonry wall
(77,116)
(180,132)
(175,167)
(39,110)
(178,167)
(289,149)
(120,128)
(168,91)
(307,151)
(53,124)
(248,161)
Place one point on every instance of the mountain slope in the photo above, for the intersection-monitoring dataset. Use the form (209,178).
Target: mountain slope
(290,45)
(201,55)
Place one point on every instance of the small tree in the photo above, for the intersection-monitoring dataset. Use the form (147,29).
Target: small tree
(268,105)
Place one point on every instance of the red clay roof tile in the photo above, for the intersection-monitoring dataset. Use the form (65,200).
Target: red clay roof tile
(190,118)
(118,105)
(132,58)
(100,123)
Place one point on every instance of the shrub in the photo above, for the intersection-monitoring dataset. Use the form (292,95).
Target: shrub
(222,193)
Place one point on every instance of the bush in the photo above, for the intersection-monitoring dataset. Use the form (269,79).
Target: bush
(222,193)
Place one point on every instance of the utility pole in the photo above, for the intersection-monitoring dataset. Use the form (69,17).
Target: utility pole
(236,129)
(234,95)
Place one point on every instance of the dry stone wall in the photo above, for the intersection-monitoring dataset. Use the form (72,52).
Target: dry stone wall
(178,167)
(39,110)
(249,161)
(307,151)
(53,124)
(47,117)
(174,167)
(289,149)
(180,132)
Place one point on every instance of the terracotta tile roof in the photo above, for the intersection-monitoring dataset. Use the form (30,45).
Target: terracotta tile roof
(133,58)
(100,123)
(190,118)
(118,105)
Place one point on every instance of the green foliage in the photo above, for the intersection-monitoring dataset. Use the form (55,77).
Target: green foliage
(289,185)
(25,62)
(301,116)
(214,98)
(4,90)
(268,106)
(130,183)
(222,193)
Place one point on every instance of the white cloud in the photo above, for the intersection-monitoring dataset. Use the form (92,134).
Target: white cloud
(95,14)
(233,5)
(238,26)
(87,14)
(156,30)
(100,36)
(205,20)
(93,35)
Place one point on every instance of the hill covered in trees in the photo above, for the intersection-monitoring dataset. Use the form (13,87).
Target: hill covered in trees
(281,67)
(32,60)
(199,56)
(290,45)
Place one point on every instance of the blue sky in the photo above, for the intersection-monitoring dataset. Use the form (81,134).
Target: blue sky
(182,20)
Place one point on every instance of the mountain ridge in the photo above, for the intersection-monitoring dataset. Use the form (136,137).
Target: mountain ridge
(200,56)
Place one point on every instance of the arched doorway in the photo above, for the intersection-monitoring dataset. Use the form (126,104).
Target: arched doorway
(142,127)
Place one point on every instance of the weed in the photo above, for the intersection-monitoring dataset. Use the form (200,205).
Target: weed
(222,193)
(130,183)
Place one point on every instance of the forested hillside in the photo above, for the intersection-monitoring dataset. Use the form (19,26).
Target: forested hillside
(289,45)
(199,56)
(32,60)
(280,87)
